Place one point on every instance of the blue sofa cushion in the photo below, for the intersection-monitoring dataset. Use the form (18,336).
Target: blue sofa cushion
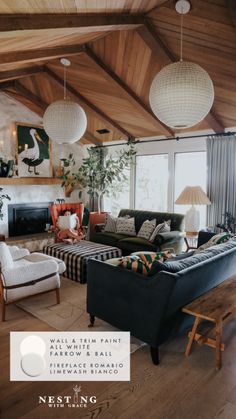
(175,265)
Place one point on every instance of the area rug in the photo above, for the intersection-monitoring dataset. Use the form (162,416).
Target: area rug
(71,313)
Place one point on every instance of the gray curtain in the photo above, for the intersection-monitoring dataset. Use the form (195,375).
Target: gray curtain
(221,182)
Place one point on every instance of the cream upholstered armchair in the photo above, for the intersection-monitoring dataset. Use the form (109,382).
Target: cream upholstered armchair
(24,274)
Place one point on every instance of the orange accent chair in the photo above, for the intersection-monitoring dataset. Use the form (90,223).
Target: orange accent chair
(57,209)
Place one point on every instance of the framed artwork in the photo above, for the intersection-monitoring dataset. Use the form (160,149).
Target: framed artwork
(33,151)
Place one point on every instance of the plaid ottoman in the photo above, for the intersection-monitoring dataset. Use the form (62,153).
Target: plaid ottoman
(76,256)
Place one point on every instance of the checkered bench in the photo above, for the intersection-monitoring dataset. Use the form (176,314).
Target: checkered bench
(76,256)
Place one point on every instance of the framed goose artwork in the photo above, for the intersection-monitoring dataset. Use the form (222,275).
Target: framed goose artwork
(34,151)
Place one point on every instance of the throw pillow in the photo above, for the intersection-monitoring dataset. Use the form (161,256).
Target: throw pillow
(134,263)
(217,239)
(125,226)
(67,221)
(147,229)
(110,226)
(160,228)
(149,257)
(6,259)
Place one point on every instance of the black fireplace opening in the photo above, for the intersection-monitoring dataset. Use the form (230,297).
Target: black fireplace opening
(24,219)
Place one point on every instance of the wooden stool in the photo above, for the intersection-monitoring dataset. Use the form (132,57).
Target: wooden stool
(217,306)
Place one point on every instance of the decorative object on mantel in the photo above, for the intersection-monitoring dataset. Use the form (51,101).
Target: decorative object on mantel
(192,195)
(182,93)
(65,121)
(2,198)
(34,152)
(99,174)
(6,168)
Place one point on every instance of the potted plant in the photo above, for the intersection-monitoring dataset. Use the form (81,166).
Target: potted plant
(2,198)
(99,171)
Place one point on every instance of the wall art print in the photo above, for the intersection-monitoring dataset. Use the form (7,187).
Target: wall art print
(34,151)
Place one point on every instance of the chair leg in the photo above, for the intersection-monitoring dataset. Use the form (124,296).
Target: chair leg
(3,309)
(155,355)
(192,335)
(58,295)
(92,320)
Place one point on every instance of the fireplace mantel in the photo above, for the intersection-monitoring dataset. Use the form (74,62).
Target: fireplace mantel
(29,181)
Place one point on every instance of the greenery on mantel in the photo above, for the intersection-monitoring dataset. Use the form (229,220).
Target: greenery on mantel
(2,198)
(99,172)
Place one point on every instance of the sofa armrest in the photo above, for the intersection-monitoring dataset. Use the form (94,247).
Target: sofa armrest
(29,272)
(18,253)
(99,227)
(128,300)
(170,236)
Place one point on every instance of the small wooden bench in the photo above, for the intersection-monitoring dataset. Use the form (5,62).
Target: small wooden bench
(217,306)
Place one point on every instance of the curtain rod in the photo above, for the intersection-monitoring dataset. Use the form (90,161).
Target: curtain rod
(218,134)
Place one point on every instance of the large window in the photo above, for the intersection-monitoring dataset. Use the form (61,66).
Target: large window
(190,170)
(151,183)
(119,197)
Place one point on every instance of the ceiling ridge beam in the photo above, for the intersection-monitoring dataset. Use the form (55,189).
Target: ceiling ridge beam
(110,75)
(157,45)
(20,73)
(92,21)
(99,113)
(40,54)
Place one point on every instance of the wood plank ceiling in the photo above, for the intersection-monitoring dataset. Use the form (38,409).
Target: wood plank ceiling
(115,49)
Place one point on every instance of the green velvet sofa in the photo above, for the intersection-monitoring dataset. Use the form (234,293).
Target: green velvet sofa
(128,244)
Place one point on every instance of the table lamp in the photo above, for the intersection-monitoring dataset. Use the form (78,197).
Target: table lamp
(192,195)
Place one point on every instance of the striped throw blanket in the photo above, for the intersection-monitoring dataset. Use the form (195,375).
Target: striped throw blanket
(76,256)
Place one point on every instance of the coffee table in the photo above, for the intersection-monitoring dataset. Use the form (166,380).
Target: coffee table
(76,256)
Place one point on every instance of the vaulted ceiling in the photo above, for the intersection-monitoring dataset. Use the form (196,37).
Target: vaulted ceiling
(115,49)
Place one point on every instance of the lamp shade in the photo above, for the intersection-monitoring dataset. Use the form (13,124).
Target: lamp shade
(193,195)
(64,121)
(181,94)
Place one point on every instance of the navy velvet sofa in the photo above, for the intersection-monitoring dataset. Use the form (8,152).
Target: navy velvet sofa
(150,307)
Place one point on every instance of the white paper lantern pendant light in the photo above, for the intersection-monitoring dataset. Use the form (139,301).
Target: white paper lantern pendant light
(64,121)
(182,93)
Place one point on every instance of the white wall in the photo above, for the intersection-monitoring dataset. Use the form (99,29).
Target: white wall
(11,112)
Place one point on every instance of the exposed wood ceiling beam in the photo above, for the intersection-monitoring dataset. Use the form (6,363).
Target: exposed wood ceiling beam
(51,53)
(112,77)
(30,95)
(214,122)
(19,73)
(26,97)
(96,111)
(91,139)
(93,22)
(160,3)
(165,56)
(6,84)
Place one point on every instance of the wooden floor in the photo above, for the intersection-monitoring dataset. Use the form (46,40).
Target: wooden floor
(178,388)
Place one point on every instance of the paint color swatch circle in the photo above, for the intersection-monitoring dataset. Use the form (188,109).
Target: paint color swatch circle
(33,364)
(32,344)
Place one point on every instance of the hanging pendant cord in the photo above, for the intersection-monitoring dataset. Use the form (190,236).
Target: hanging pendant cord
(181,35)
(64,82)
